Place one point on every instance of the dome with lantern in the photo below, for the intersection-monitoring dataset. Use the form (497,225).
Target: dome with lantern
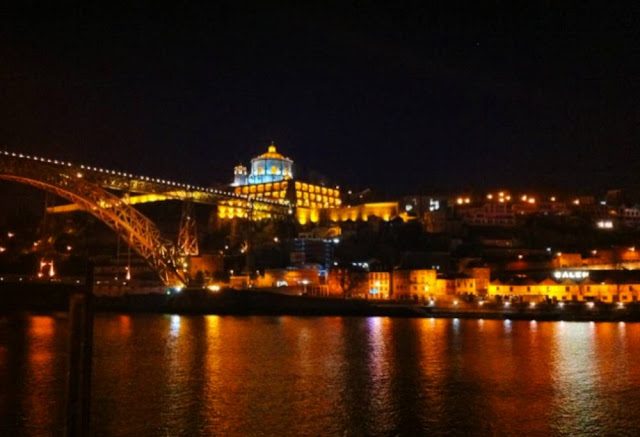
(270,167)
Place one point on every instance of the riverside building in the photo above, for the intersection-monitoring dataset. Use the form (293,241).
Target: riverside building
(572,285)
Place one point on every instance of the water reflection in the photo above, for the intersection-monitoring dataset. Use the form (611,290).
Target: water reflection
(33,373)
(223,375)
(175,326)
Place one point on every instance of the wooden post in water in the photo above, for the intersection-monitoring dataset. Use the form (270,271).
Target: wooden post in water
(78,396)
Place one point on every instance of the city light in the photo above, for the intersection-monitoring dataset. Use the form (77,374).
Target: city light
(605,224)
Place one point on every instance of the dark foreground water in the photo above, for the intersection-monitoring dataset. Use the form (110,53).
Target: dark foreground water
(278,376)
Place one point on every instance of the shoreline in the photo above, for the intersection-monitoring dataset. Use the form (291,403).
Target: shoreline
(55,297)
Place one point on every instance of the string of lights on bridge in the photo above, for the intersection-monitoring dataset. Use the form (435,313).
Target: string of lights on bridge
(143,178)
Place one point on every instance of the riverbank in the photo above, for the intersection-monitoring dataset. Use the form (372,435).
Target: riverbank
(55,297)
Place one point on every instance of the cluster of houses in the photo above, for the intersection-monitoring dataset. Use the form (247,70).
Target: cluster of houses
(429,284)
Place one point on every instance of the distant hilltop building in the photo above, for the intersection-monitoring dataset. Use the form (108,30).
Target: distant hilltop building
(272,177)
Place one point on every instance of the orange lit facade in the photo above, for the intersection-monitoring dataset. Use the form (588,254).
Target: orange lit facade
(609,290)
(379,285)
(482,276)
(383,210)
(414,284)
(309,199)
(454,285)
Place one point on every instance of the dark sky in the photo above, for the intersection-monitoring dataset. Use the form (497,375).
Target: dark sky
(397,96)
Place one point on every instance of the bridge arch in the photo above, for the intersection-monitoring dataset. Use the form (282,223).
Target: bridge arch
(129,224)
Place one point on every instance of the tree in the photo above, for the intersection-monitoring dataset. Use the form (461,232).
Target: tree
(349,279)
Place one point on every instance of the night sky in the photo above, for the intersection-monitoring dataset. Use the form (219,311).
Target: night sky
(400,97)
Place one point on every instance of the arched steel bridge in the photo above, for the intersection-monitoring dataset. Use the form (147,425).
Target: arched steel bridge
(90,189)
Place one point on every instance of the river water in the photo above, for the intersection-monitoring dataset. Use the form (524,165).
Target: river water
(169,375)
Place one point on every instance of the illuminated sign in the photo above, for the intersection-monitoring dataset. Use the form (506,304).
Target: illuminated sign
(374,291)
(570,274)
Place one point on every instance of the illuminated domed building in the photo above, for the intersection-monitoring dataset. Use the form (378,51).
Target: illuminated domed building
(271,177)
(270,167)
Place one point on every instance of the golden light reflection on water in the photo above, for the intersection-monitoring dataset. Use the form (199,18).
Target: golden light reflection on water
(224,375)
(42,378)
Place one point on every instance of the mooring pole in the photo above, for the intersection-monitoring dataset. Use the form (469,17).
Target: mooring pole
(78,396)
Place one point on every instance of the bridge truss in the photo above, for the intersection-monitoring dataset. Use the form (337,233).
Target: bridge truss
(90,189)
(130,225)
